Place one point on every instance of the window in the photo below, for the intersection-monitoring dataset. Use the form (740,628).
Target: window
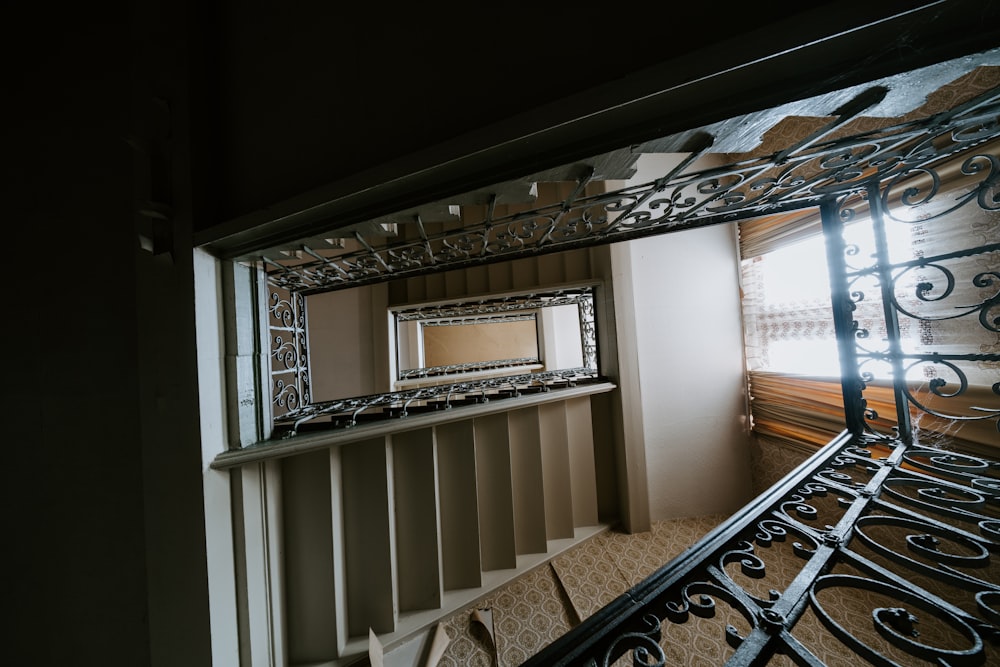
(922,287)
(787,313)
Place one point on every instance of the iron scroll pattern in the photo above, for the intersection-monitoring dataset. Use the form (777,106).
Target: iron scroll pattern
(469,367)
(797,177)
(288,351)
(588,332)
(871,549)
(498,306)
(877,298)
(493,319)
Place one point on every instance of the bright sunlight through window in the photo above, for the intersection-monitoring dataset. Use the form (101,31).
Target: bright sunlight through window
(795,287)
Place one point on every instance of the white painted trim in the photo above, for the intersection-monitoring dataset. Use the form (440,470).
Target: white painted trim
(262,529)
(221,565)
(275,566)
(247,356)
(338,549)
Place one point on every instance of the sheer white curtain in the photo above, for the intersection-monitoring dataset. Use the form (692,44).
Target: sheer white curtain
(786,308)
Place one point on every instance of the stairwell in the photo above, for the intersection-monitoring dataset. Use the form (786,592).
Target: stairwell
(391,533)
(392,525)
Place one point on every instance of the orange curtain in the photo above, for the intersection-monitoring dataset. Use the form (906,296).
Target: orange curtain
(810,410)
(806,409)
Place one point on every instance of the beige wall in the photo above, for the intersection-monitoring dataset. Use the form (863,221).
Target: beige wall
(466,343)
(348,343)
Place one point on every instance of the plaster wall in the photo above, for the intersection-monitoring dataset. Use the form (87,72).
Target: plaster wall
(559,328)
(348,343)
(409,345)
(469,343)
(689,347)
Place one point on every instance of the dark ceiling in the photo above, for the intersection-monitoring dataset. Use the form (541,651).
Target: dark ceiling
(378,107)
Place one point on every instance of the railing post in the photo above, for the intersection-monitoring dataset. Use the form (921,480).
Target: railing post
(843,318)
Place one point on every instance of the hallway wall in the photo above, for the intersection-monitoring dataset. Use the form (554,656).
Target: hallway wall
(682,316)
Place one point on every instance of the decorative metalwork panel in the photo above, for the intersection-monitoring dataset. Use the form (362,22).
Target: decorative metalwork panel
(289,357)
(489,319)
(916,267)
(797,177)
(874,549)
(880,547)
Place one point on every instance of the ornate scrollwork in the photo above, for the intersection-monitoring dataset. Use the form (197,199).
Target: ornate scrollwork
(935,496)
(910,298)
(582,297)
(283,311)
(987,167)
(751,565)
(979,472)
(290,363)
(838,471)
(940,387)
(926,291)
(899,624)
(946,547)
(698,598)
(348,410)
(286,395)
(644,645)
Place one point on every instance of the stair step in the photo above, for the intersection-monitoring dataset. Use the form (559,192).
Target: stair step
(527,481)
(555,468)
(369,536)
(418,558)
(494,493)
(459,506)
(454,601)
(314,574)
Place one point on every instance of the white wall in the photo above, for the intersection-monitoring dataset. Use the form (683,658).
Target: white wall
(410,345)
(559,327)
(686,328)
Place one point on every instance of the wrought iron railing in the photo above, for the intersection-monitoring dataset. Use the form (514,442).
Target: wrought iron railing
(879,547)
(291,398)
(871,548)
(470,367)
(799,176)
(947,299)
(348,412)
(508,305)
(499,305)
